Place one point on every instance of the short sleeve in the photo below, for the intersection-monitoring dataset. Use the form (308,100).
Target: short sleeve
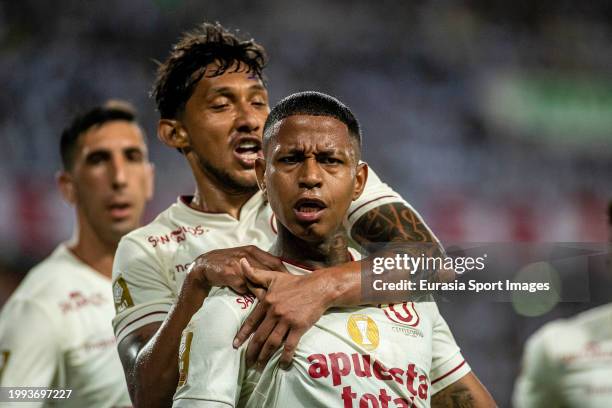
(535,384)
(448,365)
(211,370)
(141,291)
(375,194)
(30,346)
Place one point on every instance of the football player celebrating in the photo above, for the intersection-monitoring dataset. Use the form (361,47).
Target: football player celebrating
(402,356)
(54,330)
(213,104)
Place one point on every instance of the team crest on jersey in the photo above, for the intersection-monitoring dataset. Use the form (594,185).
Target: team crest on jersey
(363,331)
(184,350)
(404,313)
(121,295)
(4,357)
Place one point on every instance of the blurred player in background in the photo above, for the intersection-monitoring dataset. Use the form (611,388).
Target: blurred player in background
(351,356)
(213,104)
(568,362)
(55,329)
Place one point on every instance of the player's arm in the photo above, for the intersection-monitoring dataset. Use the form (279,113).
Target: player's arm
(466,392)
(30,350)
(148,352)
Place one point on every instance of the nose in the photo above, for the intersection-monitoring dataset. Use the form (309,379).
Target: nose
(248,120)
(119,175)
(310,174)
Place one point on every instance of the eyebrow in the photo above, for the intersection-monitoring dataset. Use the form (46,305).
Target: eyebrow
(228,90)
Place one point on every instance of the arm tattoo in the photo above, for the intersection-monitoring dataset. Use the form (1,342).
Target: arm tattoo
(454,396)
(390,223)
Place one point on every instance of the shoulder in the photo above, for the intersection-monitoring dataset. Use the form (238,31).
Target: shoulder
(50,279)
(227,303)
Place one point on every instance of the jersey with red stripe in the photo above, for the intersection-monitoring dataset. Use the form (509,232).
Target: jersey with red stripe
(151,262)
(391,355)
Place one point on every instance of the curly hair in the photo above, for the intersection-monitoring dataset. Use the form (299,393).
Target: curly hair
(178,76)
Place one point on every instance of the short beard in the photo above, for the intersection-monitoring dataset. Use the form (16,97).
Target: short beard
(225,180)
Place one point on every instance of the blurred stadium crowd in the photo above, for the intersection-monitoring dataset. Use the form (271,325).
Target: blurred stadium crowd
(493,119)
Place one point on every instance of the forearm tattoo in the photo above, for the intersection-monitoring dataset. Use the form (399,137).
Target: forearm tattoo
(454,396)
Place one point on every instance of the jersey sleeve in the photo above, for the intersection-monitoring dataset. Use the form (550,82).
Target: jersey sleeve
(211,371)
(30,346)
(141,290)
(375,194)
(535,384)
(448,365)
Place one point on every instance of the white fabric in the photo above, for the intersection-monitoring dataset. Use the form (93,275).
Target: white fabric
(55,332)
(409,360)
(568,363)
(152,261)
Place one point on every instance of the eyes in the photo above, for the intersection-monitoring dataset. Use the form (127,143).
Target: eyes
(222,103)
(298,158)
(132,155)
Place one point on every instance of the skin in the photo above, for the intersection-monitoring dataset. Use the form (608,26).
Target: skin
(110,168)
(222,109)
(314,156)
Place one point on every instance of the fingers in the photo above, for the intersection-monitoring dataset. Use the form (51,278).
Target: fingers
(264,260)
(293,338)
(272,344)
(259,339)
(250,324)
(259,292)
(257,276)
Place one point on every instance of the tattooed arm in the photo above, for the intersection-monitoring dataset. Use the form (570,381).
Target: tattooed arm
(467,392)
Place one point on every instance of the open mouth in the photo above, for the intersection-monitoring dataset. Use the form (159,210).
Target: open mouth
(309,209)
(119,210)
(247,151)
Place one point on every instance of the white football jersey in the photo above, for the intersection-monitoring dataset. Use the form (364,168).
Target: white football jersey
(151,262)
(392,355)
(55,332)
(568,363)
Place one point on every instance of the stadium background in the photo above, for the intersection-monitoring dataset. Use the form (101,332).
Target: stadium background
(494,119)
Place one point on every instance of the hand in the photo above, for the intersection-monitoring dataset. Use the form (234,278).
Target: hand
(221,267)
(286,310)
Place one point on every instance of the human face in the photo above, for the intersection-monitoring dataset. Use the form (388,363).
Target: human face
(110,181)
(311,175)
(224,119)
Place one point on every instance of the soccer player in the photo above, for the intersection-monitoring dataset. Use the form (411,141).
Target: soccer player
(55,329)
(361,356)
(213,104)
(568,362)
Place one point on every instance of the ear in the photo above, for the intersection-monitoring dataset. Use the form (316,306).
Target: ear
(172,133)
(361,178)
(65,183)
(260,171)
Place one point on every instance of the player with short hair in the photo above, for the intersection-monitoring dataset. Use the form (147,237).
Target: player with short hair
(363,356)
(568,362)
(213,104)
(54,329)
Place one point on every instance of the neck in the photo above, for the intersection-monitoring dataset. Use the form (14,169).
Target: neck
(211,195)
(93,251)
(329,252)
(214,200)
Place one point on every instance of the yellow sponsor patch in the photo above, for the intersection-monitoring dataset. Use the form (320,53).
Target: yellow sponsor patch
(364,331)
(4,358)
(121,295)
(184,349)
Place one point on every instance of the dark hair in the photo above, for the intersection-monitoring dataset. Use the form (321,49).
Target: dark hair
(610,212)
(315,104)
(179,74)
(110,111)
